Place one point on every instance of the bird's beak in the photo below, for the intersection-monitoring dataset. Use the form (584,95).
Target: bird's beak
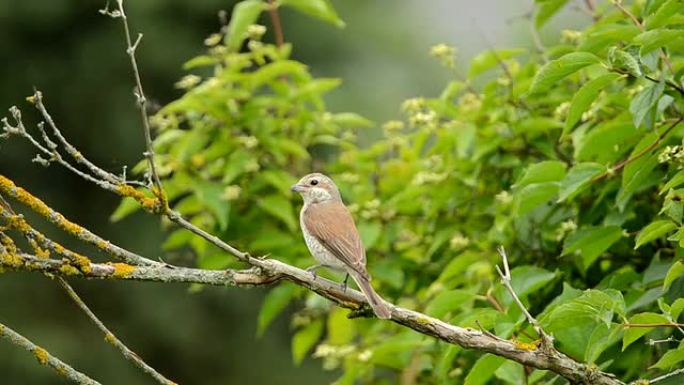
(297,188)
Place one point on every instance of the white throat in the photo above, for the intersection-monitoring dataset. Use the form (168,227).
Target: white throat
(317,195)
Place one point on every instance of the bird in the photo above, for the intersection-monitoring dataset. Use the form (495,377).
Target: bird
(332,238)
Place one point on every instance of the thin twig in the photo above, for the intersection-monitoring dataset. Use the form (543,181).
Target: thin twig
(653,325)
(538,44)
(666,376)
(275,21)
(45,358)
(8,188)
(546,340)
(140,99)
(668,82)
(666,340)
(611,171)
(111,338)
(70,149)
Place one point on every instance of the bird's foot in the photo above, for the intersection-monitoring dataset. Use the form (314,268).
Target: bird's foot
(313,269)
(344,284)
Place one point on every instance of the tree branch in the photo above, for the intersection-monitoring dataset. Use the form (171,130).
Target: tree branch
(275,21)
(546,340)
(45,358)
(611,171)
(271,270)
(111,338)
(140,98)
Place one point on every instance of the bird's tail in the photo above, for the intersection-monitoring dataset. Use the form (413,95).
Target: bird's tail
(380,307)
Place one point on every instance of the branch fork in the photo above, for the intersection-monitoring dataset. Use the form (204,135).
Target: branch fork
(546,339)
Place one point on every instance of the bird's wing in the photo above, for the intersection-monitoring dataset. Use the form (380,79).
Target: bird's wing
(332,225)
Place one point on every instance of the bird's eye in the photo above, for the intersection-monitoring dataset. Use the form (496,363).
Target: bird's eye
(314,182)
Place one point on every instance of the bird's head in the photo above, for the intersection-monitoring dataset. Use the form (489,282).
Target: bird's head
(317,188)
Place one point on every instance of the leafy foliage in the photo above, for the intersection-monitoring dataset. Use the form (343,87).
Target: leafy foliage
(573,164)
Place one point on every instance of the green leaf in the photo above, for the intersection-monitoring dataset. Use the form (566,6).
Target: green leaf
(575,322)
(526,280)
(664,13)
(245,13)
(458,265)
(601,36)
(546,10)
(560,68)
(512,373)
(279,207)
(275,302)
(369,232)
(600,339)
(591,242)
(546,171)
(396,351)
(321,9)
(634,333)
(636,174)
(351,120)
(606,142)
(675,271)
(446,362)
(305,339)
(484,61)
(578,178)
(654,39)
(624,62)
(675,181)
(653,231)
(484,369)
(211,196)
(279,179)
(676,309)
(670,358)
(339,330)
(645,103)
(584,97)
(447,301)
(534,195)
(126,207)
(593,306)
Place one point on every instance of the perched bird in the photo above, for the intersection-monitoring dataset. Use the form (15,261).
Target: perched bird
(332,237)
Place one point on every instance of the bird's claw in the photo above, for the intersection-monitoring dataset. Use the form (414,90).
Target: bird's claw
(312,270)
(344,284)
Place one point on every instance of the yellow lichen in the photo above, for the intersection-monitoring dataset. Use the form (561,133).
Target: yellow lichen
(529,346)
(42,253)
(62,370)
(122,270)
(109,337)
(102,244)
(422,320)
(10,258)
(149,204)
(23,196)
(41,355)
(37,205)
(82,262)
(67,269)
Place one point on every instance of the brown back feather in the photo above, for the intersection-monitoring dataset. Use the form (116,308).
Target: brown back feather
(333,226)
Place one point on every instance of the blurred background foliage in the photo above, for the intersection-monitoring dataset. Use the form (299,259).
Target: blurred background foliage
(499,151)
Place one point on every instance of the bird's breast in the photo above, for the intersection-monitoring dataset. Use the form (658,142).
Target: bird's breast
(317,249)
